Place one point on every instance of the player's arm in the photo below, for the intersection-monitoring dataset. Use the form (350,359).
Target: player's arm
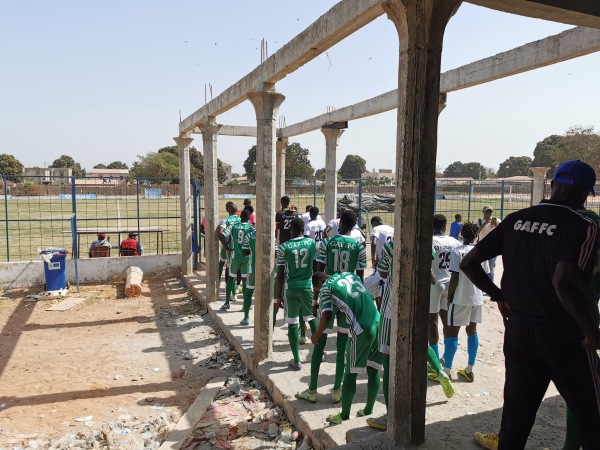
(280,281)
(373,247)
(223,236)
(567,283)
(326,307)
(452,287)
(322,255)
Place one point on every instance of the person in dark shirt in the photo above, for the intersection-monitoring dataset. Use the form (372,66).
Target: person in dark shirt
(552,332)
(283,221)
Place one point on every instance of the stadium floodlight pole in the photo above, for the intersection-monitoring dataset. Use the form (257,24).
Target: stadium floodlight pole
(266,104)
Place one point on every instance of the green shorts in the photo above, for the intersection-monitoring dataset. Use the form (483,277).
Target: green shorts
(339,318)
(237,264)
(363,351)
(297,301)
(385,331)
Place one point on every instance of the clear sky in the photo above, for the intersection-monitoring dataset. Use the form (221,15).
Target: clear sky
(105,81)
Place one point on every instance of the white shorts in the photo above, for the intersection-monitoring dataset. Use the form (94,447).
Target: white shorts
(438,297)
(463,315)
(374,284)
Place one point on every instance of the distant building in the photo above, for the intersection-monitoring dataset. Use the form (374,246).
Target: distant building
(47,175)
(227,168)
(381,174)
(104,177)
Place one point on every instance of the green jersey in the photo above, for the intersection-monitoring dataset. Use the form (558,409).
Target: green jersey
(342,253)
(250,244)
(346,293)
(592,286)
(226,223)
(385,265)
(296,256)
(236,234)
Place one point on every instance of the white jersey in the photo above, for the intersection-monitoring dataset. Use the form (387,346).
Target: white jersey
(379,236)
(466,292)
(306,218)
(335,226)
(315,229)
(442,247)
(358,234)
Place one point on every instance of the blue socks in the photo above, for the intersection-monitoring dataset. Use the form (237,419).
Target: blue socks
(435,349)
(450,346)
(472,346)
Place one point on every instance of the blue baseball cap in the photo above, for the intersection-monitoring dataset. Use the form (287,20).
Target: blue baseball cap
(576,173)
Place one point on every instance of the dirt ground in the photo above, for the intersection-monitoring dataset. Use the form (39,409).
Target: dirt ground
(108,359)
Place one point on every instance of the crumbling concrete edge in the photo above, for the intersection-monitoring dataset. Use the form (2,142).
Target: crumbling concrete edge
(186,424)
(319,438)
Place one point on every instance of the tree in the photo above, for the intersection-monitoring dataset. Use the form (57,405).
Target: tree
(473,169)
(353,167)
(117,165)
(235,175)
(515,166)
(69,162)
(578,142)
(320,174)
(100,166)
(297,164)
(156,165)
(196,163)
(11,167)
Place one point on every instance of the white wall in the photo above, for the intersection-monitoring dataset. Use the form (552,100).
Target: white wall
(31,273)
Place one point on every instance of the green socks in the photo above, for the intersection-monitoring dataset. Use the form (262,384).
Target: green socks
(221,265)
(315,362)
(386,378)
(573,437)
(294,340)
(229,289)
(348,391)
(247,302)
(372,388)
(433,360)
(342,341)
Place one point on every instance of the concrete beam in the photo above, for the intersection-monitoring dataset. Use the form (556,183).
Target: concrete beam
(332,27)
(567,45)
(583,13)
(232,130)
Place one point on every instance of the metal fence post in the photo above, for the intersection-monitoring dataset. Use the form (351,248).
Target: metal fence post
(6,219)
(315,191)
(137,199)
(435,197)
(360,189)
(469,206)
(502,202)
(196,235)
(74,208)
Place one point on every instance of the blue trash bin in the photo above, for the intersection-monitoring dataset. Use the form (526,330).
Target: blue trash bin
(56,269)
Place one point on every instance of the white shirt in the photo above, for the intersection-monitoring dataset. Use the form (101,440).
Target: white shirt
(358,234)
(315,229)
(335,226)
(380,235)
(306,218)
(442,246)
(487,228)
(466,292)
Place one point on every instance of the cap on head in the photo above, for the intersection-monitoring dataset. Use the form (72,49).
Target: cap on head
(487,208)
(576,173)
(101,236)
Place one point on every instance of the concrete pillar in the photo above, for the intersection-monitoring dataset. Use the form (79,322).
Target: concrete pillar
(420,25)
(539,184)
(210,131)
(266,105)
(280,170)
(442,102)
(185,203)
(332,138)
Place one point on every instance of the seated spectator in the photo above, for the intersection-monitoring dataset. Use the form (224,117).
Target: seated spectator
(131,246)
(103,240)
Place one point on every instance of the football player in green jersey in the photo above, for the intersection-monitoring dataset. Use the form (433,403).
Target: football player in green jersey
(294,291)
(345,292)
(249,250)
(230,220)
(339,253)
(232,238)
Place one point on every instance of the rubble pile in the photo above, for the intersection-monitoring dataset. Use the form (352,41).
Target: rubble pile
(244,417)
